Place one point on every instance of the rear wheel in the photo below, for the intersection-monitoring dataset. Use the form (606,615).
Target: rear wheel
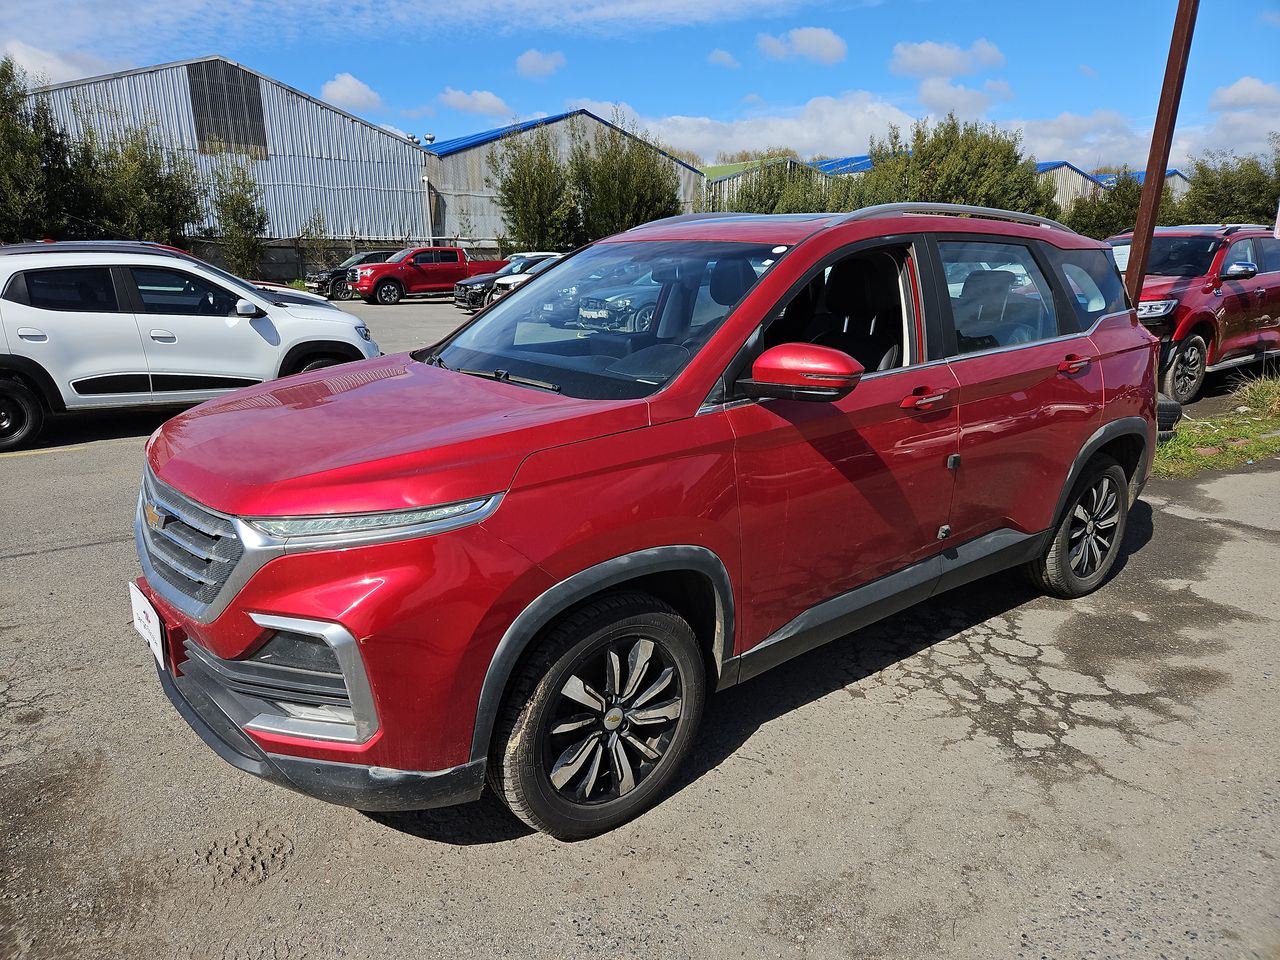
(600,717)
(388,293)
(1185,375)
(1087,539)
(21,415)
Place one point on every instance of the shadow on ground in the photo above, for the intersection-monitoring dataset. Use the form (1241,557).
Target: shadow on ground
(73,428)
(732,717)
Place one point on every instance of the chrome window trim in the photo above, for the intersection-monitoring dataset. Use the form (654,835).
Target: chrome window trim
(1061,338)
(363,709)
(259,548)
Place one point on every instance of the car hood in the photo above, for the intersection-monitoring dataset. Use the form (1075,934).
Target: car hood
(477,280)
(384,434)
(1169,288)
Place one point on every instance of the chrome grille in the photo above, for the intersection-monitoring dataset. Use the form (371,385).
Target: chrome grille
(191,548)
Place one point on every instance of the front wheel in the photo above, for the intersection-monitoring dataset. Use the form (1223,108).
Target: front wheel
(600,717)
(388,293)
(1087,539)
(1185,375)
(340,290)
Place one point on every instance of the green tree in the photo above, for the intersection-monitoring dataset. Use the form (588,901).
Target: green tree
(781,186)
(746,156)
(1230,189)
(952,162)
(239,212)
(620,179)
(143,192)
(533,192)
(318,252)
(1114,210)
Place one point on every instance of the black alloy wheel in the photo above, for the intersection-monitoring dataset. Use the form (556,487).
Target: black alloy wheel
(340,290)
(1185,375)
(1086,541)
(21,415)
(599,717)
(388,293)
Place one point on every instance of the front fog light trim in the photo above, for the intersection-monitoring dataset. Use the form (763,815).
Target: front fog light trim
(306,722)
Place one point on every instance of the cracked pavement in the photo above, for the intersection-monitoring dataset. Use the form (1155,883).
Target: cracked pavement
(991,774)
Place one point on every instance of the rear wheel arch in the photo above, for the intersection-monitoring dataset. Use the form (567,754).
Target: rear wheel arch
(1127,442)
(691,579)
(301,353)
(35,378)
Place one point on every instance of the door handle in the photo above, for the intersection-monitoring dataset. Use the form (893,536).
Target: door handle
(921,398)
(32,334)
(163,336)
(1261,292)
(1073,363)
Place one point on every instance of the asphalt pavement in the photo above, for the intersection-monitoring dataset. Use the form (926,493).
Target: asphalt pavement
(991,774)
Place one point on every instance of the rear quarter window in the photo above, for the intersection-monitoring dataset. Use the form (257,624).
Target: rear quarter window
(1092,283)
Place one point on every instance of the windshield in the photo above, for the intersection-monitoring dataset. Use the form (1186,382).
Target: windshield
(541,265)
(616,321)
(355,258)
(1172,256)
(513,266)
(401,255)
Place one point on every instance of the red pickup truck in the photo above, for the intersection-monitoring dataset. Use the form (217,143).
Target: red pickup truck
(417,270)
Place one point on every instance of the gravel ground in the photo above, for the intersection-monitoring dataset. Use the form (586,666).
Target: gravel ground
(992,774)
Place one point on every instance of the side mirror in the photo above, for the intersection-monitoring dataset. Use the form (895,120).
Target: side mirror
(802,371)
(1244,270)
(247,308)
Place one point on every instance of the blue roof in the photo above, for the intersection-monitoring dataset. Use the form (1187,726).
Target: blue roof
(1044,166)
(838,165)
(445,148)
(1109,179)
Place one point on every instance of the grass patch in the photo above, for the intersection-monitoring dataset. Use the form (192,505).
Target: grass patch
(1228,440)
(298,284)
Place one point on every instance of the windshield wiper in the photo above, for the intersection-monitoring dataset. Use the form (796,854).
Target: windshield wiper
(505,376)
(435,360)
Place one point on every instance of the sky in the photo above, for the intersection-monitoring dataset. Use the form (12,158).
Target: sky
(1080,80)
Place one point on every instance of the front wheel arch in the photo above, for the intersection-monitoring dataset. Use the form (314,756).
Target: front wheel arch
(300,353)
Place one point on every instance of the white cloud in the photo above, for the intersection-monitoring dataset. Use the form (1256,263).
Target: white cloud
(722,58)
(477,101)
(753,98)
(392,128)
(347,92)
(833,125)
(47,66)
(938,95)
(931,59)
(535,63)
(1244,94)
(812,43)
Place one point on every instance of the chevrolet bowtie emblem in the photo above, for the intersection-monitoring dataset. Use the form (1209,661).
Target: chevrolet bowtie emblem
(154,518)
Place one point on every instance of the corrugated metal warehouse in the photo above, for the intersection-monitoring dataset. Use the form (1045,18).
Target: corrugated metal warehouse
(1177,181)
(1070,183)
(458,169)
(305,154)
(308,156)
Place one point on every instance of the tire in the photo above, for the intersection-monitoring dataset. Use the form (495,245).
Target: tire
(340,290)
(21,415)
(600,669)
(317,363)
(388,293)
(1168,413)
(1092,518)
(1184,377)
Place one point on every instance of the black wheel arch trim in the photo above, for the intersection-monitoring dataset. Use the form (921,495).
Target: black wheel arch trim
(583,585)
(45,386)
(325,347)
(1124,427)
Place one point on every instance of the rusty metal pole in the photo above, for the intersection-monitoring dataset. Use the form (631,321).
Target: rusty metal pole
(1161,142)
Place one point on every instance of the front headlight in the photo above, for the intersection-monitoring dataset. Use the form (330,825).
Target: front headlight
(416,521)
(623,304)
(363,333)
(1154,309)
(364,272)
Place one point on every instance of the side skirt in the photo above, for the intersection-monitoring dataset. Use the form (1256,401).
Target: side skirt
(953,567)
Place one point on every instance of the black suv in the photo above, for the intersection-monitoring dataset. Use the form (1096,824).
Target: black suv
(473,292)
(332,283)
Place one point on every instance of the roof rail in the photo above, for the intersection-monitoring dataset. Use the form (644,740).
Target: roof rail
(1234,227)
(92,246)
(952,210)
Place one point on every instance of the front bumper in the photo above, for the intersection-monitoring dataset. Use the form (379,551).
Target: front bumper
(346,784)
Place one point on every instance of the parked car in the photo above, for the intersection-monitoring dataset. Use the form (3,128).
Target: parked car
(417,270)
(1212,295)
(524,556)
(88,326)
(473,292)
(332,283)
(287,293)
(512,281)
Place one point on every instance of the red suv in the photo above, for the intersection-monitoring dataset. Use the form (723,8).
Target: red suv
(525,555)
(1212,296)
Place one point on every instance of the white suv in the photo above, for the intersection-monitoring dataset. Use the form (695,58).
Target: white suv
(91,325)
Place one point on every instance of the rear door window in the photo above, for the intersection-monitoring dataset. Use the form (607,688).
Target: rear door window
(448,256)
(81,289)
(999,296)
(1269,248)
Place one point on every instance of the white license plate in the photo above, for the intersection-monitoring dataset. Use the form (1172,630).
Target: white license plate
(593,314)
(548,307)
(147,622)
